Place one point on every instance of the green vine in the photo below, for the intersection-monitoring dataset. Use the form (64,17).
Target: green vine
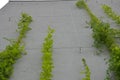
(108,10)
(105,36)
(86,71)
(14,51)
(99,28)
(47,61)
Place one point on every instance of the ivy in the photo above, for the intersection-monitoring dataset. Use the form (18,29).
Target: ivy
(15,49)
(47,61)
(105,36)
(102,33)
(110,13)
(86,70)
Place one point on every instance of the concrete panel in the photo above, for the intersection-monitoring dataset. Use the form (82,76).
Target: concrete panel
(72,38)
(28,67)
(96,63)
(64,63)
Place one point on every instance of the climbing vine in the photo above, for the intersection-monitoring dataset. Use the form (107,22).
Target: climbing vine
(110,13)
(47,61)
(15,49)
(86,70)
(105,36)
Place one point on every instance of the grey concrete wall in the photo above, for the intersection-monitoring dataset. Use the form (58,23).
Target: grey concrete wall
(72,40)
(39,0)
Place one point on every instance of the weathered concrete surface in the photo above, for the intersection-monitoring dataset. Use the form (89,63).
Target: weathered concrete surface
(72,40)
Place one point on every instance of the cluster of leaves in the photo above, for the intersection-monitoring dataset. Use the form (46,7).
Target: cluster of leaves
(15,50)
(23,26)
(86,71)
(105,36)
(47,61)
(114,61)
(113,71)
(108,10)
(102,33)
(81,4)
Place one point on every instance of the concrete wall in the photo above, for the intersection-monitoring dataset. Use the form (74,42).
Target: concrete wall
(41,0)
(72,39)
